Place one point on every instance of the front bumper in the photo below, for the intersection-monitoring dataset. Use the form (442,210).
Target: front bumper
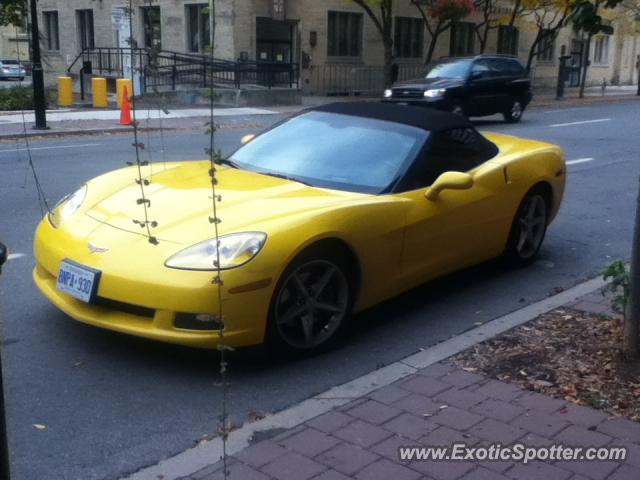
(438,103)
(8,75)
(138,295)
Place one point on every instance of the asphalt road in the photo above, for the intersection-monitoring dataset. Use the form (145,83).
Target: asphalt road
(112,404)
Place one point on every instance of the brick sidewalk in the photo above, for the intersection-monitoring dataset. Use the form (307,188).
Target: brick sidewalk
(438,406)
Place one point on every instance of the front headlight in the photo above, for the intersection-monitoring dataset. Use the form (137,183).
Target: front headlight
(388,93)
(67,206)
(235,250)
(435,93)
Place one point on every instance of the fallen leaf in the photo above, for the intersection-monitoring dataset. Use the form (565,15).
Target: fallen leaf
(39,426)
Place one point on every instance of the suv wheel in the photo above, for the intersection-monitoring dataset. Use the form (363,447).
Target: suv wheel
(514,114)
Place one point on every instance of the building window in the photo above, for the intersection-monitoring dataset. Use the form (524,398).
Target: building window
(84,20)
(547,46)
(601,50)
(344,37)
(409,37)
(52,38)
(462,39)
(151,27)
(198,31)
(508,40)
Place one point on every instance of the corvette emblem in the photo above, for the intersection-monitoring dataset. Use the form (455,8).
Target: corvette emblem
(93,249)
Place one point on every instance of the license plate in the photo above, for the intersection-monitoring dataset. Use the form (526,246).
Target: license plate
(78,281)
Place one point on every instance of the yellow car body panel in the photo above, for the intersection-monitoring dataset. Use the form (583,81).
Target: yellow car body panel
(399,240)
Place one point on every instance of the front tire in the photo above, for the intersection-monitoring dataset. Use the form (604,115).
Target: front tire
(515,112)
(528,229)
(311,304)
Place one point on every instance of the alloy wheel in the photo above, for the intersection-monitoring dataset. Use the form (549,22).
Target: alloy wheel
(311,304)
(516,111)
(532,225)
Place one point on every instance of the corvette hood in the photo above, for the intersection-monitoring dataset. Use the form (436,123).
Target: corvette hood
(181,202)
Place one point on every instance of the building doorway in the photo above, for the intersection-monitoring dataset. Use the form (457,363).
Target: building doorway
(274,41)
(575,61)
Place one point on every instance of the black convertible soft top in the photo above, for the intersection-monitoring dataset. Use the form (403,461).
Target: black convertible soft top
(425,118)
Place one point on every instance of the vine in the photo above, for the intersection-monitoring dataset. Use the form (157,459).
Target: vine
(215,156)
(143,182)
(42,199)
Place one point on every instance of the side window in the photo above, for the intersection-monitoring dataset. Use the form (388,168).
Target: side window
(508,67)
(455,150)
(481,69)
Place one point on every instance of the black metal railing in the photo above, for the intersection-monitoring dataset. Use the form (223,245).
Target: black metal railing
(176,69)
(355,79)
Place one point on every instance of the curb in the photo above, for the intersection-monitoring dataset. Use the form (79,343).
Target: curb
(82,132)
(205,454)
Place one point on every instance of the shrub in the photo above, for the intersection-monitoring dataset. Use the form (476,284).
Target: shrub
(16,98)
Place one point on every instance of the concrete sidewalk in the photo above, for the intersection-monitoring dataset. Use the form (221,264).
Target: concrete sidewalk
(438,405)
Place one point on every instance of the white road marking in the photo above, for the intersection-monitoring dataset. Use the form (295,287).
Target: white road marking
(79,145)
(598,120)
(579,160)
(15,256)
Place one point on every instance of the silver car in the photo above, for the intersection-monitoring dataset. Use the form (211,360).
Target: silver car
(12,69)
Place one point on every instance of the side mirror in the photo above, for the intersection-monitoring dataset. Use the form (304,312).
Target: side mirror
(247,138)
(449,181)
(3,255)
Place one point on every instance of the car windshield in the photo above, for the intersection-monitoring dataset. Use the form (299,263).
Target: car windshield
(332,150)
(457,69)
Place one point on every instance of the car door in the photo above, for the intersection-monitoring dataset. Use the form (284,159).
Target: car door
(503,78)
(460,227)
(481,90)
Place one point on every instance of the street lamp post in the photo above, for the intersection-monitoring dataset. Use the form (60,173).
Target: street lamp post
(4,443)
(37,75)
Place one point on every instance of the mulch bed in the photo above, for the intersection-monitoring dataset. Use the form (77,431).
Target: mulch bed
(565,354)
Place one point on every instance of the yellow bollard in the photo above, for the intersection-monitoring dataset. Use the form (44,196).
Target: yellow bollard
(65,92)
(120,83)
(99,89)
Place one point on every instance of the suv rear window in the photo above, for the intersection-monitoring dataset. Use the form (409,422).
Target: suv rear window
(507,66)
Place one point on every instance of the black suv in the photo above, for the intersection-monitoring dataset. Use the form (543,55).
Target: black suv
(472,86)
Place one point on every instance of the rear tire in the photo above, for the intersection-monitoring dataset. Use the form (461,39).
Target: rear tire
(311,304)
(528,229)
(515,112)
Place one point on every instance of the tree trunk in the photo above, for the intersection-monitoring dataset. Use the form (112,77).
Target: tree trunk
(431,49)
(388,63)
(631,341)
(585,66)
(533,49)
(434,41)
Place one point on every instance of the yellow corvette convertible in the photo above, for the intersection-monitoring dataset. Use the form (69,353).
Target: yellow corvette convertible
(326,214)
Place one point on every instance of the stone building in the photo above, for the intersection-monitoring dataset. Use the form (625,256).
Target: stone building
(336,45)
(14,43)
